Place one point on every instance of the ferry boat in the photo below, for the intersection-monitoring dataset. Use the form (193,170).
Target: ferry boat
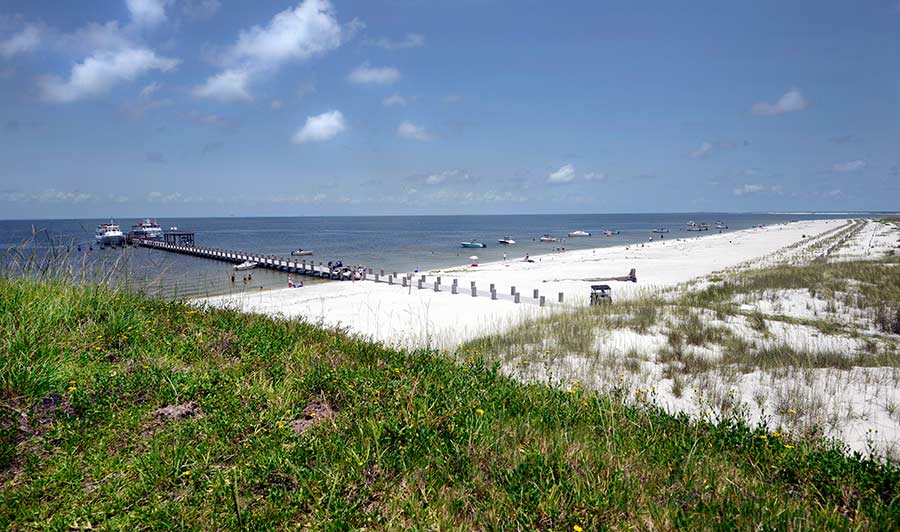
(548,238)
(579,233)
(109,235)
(660,230)
(473,244)
(146,230)
(506,240)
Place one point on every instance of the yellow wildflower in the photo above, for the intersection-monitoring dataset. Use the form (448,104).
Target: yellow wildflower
(787,446)
(577,528)
(479,411)
(792,411)
(72,388)
(186,474)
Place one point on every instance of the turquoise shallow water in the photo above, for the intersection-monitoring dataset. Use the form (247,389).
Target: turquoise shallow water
(395,243)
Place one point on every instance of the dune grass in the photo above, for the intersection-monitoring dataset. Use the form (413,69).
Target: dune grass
(122,412)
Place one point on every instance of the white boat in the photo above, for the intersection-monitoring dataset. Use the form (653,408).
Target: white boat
(506,240)
(660,230)
(721,225)
(611,232)
(473,244)
(109,235)
(301,253)
(548,238)
(579,233)
(146,230)
(246,265)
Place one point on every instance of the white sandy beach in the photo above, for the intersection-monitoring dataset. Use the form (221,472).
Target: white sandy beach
(418,318)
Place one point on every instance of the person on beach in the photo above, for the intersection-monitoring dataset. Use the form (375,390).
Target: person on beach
(232,277)
(504,256)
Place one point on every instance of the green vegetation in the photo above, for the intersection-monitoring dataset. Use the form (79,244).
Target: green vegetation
(122,412)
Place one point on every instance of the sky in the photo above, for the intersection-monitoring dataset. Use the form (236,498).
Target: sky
(133,108)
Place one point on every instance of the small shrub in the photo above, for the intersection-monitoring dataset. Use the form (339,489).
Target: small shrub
(887,319)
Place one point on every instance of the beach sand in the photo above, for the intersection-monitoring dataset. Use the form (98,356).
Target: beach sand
(411,318)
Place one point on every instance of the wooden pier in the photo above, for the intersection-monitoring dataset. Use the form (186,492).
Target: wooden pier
(271,262)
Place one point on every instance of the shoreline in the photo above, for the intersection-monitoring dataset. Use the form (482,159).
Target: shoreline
(414,318)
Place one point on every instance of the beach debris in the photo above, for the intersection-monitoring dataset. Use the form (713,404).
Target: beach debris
(315,412)
(176,412)
(631,277)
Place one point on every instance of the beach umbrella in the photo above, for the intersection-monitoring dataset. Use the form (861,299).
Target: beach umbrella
(474,257)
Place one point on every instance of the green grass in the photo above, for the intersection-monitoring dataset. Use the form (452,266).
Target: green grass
(417,441)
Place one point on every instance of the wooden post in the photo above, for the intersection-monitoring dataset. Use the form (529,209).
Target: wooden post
(494,295)
(404,282)
(542,301)
(437,286)
(453,288)
(420,284)
(516,295)
(560,297)
(512,290)
(474,291)
(535,293)
(390,279)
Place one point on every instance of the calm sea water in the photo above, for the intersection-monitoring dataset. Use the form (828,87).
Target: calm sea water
(394,243)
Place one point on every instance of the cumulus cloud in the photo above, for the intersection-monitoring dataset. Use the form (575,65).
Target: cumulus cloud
(791,102)
(408,130)
(226,86)
(849,166)
(95,36)
(565,174)
(24,41)
(411,40)
(320,128)
(369,75)
(701,152)
(147,12)
(295,34)
(101,71)
(393,100)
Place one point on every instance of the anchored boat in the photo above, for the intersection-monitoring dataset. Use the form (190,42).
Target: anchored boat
(579,233)
(473,244)
(660,230)
(548,238)
(301,252)
(506,240)
(246,265)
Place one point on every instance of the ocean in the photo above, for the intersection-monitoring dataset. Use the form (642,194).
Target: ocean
(392,243)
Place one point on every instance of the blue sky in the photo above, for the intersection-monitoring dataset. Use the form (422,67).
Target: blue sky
(219,107)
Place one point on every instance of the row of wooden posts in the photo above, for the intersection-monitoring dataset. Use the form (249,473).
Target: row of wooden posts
(406,280)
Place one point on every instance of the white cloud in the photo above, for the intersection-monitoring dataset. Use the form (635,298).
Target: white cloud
(411,40)
(101,71)
(295,34)
(850,166)
(408,130)
(150,90)
(748,189)
(276,104)
(94,36)
(200,9)
(435,179)
(147,12)
(791,102)
(206,119)
(365,74)
(565,174)
(24,41)
(595,176)
(701,152)
(320,128)
(392,100)
(226,86)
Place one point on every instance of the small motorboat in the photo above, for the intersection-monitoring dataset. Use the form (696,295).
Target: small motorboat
(579,233)
(506,240)
(301,253)
(473,244)
(246,265)
(693,226)
(611,232)
(548,238)
(721,225)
